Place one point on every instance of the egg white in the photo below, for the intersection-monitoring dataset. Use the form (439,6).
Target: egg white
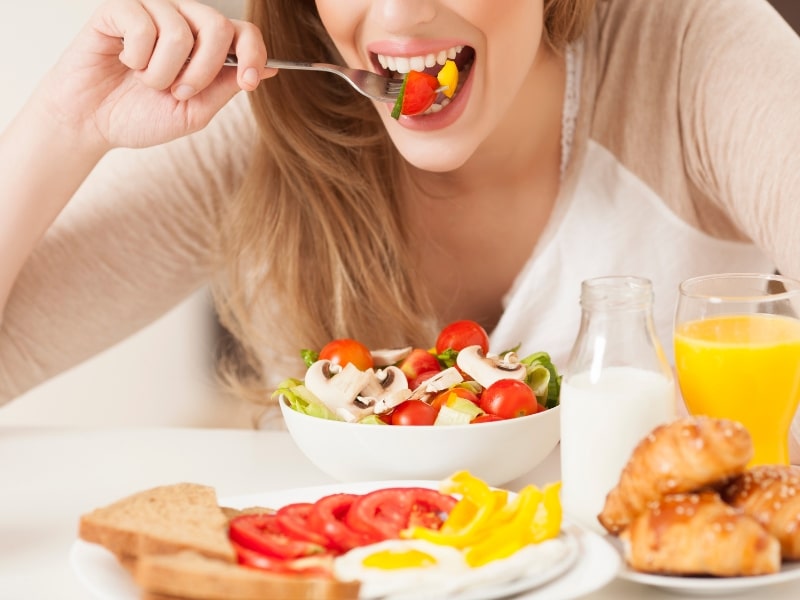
(379,583)
(450,575)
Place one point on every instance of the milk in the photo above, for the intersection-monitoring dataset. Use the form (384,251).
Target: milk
(601,423)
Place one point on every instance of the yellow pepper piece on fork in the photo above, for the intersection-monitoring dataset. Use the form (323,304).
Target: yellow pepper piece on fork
(448,78)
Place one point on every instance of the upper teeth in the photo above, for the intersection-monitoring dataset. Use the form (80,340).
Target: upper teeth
(404,64)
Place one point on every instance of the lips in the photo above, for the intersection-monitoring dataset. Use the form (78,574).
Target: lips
(397,66)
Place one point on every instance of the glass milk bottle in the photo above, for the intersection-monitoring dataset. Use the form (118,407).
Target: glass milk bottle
(617,387)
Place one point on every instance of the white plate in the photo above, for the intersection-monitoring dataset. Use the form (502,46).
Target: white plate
(707,586)
(589,564)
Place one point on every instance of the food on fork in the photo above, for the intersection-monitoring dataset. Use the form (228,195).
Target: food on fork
(420,90)
(682,456)
(699,534)
(771,495)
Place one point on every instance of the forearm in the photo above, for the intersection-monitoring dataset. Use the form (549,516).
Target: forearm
(42,164)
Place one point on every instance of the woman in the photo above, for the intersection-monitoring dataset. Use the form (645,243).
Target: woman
(585,138)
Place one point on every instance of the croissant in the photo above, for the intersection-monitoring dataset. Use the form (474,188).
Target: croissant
(771,495)
(681,456)
(699,534)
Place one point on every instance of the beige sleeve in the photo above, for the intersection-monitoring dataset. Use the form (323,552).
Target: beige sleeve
(739,100)
(138,237)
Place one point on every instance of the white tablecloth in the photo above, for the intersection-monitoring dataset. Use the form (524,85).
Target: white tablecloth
(51,476)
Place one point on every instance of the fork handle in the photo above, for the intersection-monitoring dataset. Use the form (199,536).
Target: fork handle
(232,61)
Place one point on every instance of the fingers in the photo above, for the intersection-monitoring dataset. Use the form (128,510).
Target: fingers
(181,45)
(251,54)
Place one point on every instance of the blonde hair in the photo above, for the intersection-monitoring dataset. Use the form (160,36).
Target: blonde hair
(314,246)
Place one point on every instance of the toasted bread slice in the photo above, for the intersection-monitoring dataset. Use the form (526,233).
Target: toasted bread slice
(191,576)
(161,520)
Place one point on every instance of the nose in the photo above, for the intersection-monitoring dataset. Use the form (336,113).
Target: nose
(400,15)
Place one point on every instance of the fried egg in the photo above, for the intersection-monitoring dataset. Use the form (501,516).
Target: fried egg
(418,569)
(393,567)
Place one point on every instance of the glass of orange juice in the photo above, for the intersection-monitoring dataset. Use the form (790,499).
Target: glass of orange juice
(737,354)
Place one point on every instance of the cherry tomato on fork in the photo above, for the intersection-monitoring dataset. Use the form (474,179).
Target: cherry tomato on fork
(417,95)
(460,334)
(346,351)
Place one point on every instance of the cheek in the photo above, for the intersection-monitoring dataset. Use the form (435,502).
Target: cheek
(342,24)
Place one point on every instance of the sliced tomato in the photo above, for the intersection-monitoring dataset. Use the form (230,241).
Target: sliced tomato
(261,533)
(320,566)
(292,519)
(328,517)
(386,512)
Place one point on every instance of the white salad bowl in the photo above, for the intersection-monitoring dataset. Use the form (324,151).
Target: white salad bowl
(496,451)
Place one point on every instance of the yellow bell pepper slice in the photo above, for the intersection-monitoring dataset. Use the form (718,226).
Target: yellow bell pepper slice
(547,520)
(448,78)
(506,539)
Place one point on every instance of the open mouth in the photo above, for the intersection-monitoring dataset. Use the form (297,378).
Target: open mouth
(397,67)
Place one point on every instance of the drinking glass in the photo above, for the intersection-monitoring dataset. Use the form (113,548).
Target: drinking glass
(737,354)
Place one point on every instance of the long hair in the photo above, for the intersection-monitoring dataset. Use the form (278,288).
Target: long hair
(314,247)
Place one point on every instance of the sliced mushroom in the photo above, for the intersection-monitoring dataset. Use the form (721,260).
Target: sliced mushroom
(488,368)
(338,387)
(439,382)
(389,356)
(388,388)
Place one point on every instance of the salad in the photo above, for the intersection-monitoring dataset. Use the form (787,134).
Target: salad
(456,382)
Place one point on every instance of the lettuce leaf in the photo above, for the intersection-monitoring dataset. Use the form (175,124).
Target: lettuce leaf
(300,399)
(550,384)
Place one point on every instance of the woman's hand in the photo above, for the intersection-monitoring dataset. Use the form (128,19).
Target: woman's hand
(127,80)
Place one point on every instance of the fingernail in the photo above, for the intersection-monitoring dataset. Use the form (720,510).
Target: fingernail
(250,77)
(183,91)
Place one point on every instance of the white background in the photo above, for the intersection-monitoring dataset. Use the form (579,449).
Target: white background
(163,375)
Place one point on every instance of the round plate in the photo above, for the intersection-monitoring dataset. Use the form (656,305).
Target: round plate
(587,564)
(707,586)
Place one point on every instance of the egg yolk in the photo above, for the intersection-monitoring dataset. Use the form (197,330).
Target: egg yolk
(403,559)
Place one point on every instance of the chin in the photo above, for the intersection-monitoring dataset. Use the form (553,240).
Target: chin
(434,157)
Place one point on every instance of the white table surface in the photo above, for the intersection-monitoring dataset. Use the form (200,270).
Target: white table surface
(51,476)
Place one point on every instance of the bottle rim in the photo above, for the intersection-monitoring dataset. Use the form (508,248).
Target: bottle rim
(616,292)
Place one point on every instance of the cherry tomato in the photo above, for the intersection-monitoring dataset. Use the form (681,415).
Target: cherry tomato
(486,418)
(418,362)
(442,397)
(414,412)
(420,379)
(260,532)
(419,92)
(509,398)
(460,334)
(387,511)
(346,351)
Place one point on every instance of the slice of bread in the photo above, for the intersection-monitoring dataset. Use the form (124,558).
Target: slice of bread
(191,576)
(161,520)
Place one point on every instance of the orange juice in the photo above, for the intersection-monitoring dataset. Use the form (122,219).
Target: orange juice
(746,368)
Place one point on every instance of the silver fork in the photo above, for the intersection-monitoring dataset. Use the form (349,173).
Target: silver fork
(372,85)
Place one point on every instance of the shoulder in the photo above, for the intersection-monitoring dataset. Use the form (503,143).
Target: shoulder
(669,25)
